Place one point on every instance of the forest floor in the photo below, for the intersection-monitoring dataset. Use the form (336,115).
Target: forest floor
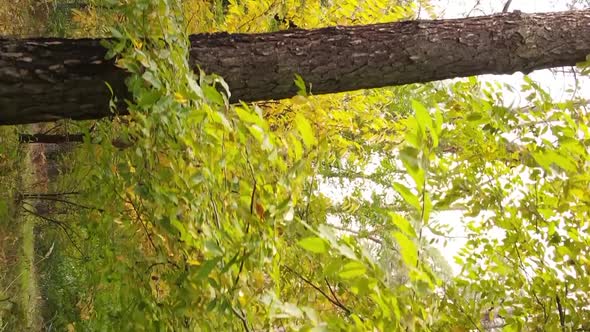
(19,291)
(22,170)
(36,181)
(23,18)
(31,299)
(11,313)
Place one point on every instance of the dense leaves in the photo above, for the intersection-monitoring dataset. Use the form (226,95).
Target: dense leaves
(214,216)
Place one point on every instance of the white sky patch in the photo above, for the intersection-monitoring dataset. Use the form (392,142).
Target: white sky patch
(561,85)
(461,8)
(557,84)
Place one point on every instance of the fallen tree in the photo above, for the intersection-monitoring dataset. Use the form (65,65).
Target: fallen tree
(50,79)
(50,138)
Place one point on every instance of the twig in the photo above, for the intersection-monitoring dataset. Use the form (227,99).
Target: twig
(334,295)
(42,197)
(359,234)
(215,212)
(148,269)
(241,317)
(468,316)
(307,281)
(252,199)
(506,6)
(537,299)
(477,3)
(264,13)
(561,312)
(242,262)
(60,224)
(422,214)
(141,222)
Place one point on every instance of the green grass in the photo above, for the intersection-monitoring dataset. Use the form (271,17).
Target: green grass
(9,181)
(29,290)
(20,307)
(18,285)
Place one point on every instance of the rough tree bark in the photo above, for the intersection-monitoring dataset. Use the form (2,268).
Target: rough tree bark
(50,79)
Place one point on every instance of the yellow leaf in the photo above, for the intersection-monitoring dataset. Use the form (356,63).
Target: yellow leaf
(179,97)
(193,262)
(138,44)
(242,299)
(164,160)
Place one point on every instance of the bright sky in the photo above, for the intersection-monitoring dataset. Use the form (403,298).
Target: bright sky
(556,84)
(459,8)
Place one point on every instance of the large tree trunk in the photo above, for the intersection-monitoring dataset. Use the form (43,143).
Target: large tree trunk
(49,79)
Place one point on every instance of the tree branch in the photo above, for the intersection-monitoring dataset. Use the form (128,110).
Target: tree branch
(317,288)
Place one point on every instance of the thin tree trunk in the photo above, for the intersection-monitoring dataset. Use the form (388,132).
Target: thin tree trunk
(50,79)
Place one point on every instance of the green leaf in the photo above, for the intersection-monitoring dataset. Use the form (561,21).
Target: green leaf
(437,130)
(247,116)
(194,87)
(213,248)
(295,147)
(152,79)
(305,130)
(407,249)
(427,206)
(474,116)
(206,268)
(314,244)
(407,195)
(422,116)
(352,270)
(409,156)
(292,310)
(563,162)
(302,90)
(547,158)
(148,98)
(402,224)
(542,159)
(116,33)
(211,94)
(438,121)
